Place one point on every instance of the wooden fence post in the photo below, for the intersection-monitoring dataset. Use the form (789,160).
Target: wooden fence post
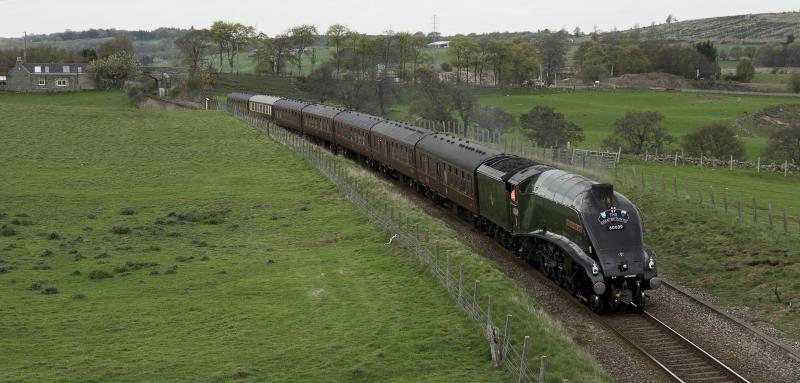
(725,199)
(523,364)
(476,295)
(713,200)
(447,281)
(700,193)
(461,285)
(492,335)
(675,181)
(542,368)
(769,212)
(739,207)
(785,222)
(506,336)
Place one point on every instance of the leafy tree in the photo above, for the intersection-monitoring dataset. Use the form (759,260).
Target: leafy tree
(716,140)
(240,37)
(637,132)
(552,50)
(745,71)
(548,128)
(492,118)
(431,97)
(784,144)
(302,37)
(708,50)
(794,83)
(321,84)
(198,82)
(337,34)
(112,71)
(193,46)
(221,33)
(461,50)
(88,55)
(117,44)
(593,73)
(354,93)
(464,103)
(498,57)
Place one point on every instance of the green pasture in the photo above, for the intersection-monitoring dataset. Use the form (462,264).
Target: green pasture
(186,246)
(596,110)
(247,63)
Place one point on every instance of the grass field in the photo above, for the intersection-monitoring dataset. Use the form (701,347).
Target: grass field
(247,62)
(155,246)
(257,84)
(596,110)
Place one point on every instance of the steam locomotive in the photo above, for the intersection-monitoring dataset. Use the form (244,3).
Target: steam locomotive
(580,233)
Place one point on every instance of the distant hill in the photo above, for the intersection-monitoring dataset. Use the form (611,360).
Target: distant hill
(153,44)
(757,28)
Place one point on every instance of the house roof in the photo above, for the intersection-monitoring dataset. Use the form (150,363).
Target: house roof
(54,68)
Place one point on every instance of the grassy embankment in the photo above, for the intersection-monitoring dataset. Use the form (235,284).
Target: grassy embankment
(596,110)
(173,248)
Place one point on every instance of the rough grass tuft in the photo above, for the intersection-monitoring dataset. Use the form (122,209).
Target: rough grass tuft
(8,232)
(99,274)
(120,229)
(128,211)
(50,290)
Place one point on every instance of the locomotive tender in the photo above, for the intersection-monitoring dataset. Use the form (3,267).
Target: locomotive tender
(580,233)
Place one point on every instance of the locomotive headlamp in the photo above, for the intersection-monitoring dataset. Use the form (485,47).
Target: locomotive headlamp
(595,269)
(599,288)
(651,264)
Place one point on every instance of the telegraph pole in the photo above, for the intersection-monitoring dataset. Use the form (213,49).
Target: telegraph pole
(25,48)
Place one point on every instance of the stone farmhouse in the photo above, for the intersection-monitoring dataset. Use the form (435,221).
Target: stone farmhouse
(47,77)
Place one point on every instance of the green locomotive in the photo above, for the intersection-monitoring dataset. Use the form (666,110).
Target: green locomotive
(578,232)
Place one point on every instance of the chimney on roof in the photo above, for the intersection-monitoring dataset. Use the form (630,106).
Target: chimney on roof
(19,60)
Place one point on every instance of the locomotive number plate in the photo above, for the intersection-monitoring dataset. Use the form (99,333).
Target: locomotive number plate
(616,227)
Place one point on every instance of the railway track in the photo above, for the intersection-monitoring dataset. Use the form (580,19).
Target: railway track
(674,353)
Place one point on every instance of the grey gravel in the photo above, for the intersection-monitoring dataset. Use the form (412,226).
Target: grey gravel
(736,346)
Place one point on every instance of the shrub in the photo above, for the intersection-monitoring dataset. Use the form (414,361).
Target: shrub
(716,140)
(794,83)
(3,269)
(99,274)
(8,232)
(120,230)
(446,67)
(745,71)
(127,211)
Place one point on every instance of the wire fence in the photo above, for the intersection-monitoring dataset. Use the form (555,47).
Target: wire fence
(511,355)
(584,159)
(705,196)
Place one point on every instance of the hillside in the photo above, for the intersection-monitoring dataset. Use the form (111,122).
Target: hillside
(763,27)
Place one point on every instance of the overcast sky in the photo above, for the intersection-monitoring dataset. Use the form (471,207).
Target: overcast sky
(373,17)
